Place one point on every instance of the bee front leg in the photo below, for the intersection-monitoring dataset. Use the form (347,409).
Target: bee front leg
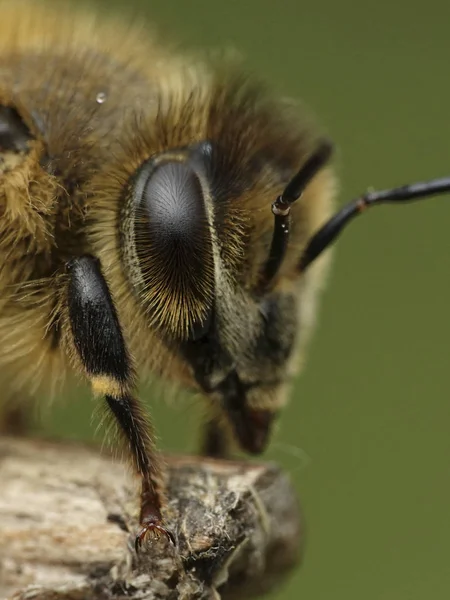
(100,345)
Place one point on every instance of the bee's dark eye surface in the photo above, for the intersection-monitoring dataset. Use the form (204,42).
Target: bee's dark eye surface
(171,198)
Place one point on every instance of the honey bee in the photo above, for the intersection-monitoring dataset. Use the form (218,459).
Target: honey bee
(160,214)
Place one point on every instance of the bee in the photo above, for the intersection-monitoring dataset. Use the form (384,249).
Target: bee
(160,215)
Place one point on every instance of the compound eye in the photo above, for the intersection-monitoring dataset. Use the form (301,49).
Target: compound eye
(174,247)
(172,200)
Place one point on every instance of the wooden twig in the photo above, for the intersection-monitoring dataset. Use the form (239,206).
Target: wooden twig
(68,515)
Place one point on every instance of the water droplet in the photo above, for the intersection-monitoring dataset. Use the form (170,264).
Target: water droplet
(100,98)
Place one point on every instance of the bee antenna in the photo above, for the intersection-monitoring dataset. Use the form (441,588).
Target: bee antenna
(281,209)
(332,228)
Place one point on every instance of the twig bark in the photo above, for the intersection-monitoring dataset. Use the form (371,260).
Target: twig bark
(68,515)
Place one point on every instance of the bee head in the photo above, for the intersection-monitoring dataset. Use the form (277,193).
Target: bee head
(210,261)
(237,342)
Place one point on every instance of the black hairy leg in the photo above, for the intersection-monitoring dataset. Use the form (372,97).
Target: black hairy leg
(215,440)
(99,341)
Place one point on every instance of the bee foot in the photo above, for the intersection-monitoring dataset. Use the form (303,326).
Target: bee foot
(152,528)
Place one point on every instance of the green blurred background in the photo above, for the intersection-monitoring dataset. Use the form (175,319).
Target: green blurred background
(366,434)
